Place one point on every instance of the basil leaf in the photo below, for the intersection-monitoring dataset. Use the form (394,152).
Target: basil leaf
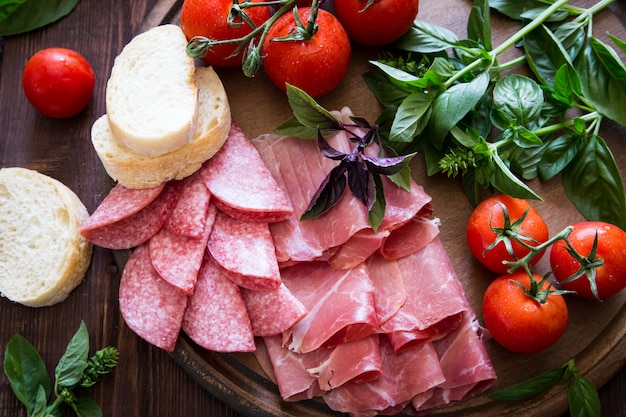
(593,183)
(479,24)
(620,43)
(566,85)
(385,92)
(454,104)
(41,403)
(426,38)
(545,54)
(376,213)
(387,166)
(557,154)
(572,37)
(33,14)
(328,193)
(411,117)
(7,7)
(603,79)
(26,371)
(530,388)
(504,180)
(520,98)
(292,127)
(583,399)
(524,9)
(69,370)
(309,113)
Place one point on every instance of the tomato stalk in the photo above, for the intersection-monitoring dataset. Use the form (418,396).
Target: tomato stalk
(588,265)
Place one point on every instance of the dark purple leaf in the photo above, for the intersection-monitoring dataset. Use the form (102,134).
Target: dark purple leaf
(328,193)
(361,122)
(327,150)
(361,184)
(387,166)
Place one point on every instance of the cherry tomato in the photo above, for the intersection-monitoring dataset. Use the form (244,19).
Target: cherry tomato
(58,82)
(610,277)
(489,214)
(382,22)
(518,321)
(209,18)
(317,65)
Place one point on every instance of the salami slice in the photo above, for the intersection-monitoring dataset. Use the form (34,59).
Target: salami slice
(151,307)
(121,202)
(216,316)
(245,252)
(239,179)
(134,230)
(272,311)
(177,258)
(188,217)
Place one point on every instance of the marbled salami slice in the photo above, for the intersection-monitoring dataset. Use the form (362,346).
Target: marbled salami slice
(239,179)
(272,311)
(216,317)
(245,252)
(134,230)
(177,258)
(151,307)
(188,217)
(121,202)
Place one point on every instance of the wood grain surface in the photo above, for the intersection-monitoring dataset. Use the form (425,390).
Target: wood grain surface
(152,382)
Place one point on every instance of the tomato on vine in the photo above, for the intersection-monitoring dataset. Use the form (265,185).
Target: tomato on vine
(219,20)
(307,51)
(522,314)
(592,261)
(376,22)
(495,226)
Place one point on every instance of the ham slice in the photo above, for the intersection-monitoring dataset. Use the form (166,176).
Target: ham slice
(151,307)
(216,317)
(188,217)
(245,252)
(241,183)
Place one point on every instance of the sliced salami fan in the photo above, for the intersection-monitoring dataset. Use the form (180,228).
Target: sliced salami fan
(188,217)
(177,258)
(272,311)
(241,183)
(121,202)
(245,252)
(151,307)
(216,317)
(137,229)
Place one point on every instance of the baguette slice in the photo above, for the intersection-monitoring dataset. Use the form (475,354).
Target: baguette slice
(134,170)
(151,95)
(42,255)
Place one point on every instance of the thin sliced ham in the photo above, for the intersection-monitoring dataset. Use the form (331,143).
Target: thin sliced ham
(410,237)
(188,217)
(245,252)
(241,183)
(216,317)
(272,312)
(151,307)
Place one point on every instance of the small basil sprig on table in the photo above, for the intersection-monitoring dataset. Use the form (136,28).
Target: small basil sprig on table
(474,117)
(19,16)
(583,399)
(361,172)
(31,384)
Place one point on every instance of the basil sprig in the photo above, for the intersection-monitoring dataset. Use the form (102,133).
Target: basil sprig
(31,384)
(473,116)
(19,16)
(583,399)
(359,171)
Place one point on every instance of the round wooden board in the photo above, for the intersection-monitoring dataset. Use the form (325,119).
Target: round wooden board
(595,336)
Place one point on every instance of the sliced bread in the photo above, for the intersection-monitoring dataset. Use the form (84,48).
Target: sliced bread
(135,170)
(151,95)
(42,255)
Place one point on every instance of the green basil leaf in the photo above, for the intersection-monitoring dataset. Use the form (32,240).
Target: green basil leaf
(69,370)
(408,121)
(376,213)
(529,388)
(545,54)
(399,77)
(593,183)
(504,180)
(402,178)
(603,79)
(471,187)
(520,98)
(618,42)
(583,399)
(479,23)
(519,9)
(572,37)
(292,127)
(387,93)
(33,14)
(566,85)
(7,7)
(557,154)
(454,104)
(86,407)
(426,38)
(41,403)
(26,371)
(309,113)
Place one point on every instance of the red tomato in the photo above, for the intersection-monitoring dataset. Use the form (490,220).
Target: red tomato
(209,18)
(317,65)
(58,82)
(519,322)
(489,214)
(610,277)
(381,23)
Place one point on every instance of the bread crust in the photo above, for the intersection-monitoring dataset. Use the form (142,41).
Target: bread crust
(45,273)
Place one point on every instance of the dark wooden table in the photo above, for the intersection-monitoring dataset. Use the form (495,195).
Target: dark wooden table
(148,382)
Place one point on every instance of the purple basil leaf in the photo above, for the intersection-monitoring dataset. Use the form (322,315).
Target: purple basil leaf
(327,150)
(361,122)
(387,166)
(328,193)
(361,184)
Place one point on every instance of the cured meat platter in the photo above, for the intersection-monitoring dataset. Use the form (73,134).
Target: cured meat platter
(595,337)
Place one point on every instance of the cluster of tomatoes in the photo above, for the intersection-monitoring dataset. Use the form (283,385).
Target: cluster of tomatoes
(308,47)
(525,312)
